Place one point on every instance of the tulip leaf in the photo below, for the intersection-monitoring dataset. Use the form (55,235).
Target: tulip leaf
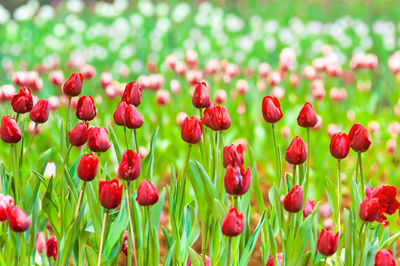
(94,209)
(170,253)
(195,259)
(149,160)
(91,256)
(157,209)
(304,259)
(114,140)
(50,208)
(388,243)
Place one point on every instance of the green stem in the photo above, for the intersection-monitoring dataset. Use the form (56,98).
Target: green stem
(126,138)
(363,233)
(358,163)
(361,174)
(229,262)
(67,120)
(136,141)
(22,250)
(215,158)
(78,206)
(339,191)
(325,261)
(30,143)
(183,180)
(308,157)
(276,153)
(103,230)
(294,175)
(16,179)
(131,221)
(63,187)
(149,234)
(204,142)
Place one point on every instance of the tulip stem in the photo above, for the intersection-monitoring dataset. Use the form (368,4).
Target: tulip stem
(63,187)
(136,141)
(204,141)
(308,158)
(215,158)
(67,119)
(126,138)
(325,259)
(294,175)
(80,199)
(339,191)
(128,201)
(16,179)
(149,234)
(17,117)
(103,230)
(276,152)
(363,233)
(30,142)
(183,196)
(361,173)
(229,263)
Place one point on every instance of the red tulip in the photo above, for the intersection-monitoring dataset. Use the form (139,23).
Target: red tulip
(119,114)
(232,155)
(307,116)
(384,257)
(293,201)
(132,93)
(5,202)
(369,209)
(201,96)
(236,180)
(340,145)
(327,242)
(73,86)
(110,194)
(40,242)
(233,223)
(130,166)
(40,111)
(124,247)
(147,193)
(9,130)
(51,248)
(17,219)
(296,153)
(191,130)
(207,261)
(133,119)
(217,117)
(79,134)
(388,203)
(308,207)
(279,258)
(271,109)
(98,139)
(85,108)
(87,167)
(22,102)
(359,138)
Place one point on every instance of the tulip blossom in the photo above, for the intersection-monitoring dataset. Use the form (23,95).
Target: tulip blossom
(384,257)
(124,247)
(98,139)
(17,219)
(308,207)
(327,243)
(232,155)
(85,108)
(22,102)
(293,201)
(9,130)
(207,261)
(359,138)
(191,130)
(51,248)
(201,96)
(87,167)
(133,119)
(217,117)
(79,134)
(369,209)
(40,243)
(5,203)
(340,145)
(296,153)
(40,111)
(130,166)
(73,86)
(233,223)
(237,181)
(119,114)
(147,193)
(110,193)
(307,116)
(271,109)
(132,93)
(279,258)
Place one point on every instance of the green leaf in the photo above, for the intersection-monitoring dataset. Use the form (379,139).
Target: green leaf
(169,255)
(389,242)
(149,160)
(195,258)
(91,256)
(157,209)
(115,143)
(50,208)
(94,209)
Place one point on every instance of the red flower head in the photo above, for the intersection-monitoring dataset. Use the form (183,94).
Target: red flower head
(5,202)
(308,207)
(132,93)
(40,242)
(359,138)
(98,139)
(201,96)
(236,180)
(51,248)
(73,86)
(340,145)
(17,219)
(130,166)
(124,247)
(79,134)
(296,153)
(147,193)
(217,117)
(388,203)
(233,223)
(384,257)
(271,109)
(233,156)
(22,102)
(133,119)
(307,116)
(279,258)
(110,194)
(191,130)
(9,130)
(85,108)
(293,201)
(119,114)
(369,209)
(40,112)
(327,242)
(87,167)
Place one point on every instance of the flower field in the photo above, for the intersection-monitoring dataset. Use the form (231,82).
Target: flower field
(204,133)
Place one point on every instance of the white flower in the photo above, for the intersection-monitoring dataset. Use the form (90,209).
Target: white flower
(4,15)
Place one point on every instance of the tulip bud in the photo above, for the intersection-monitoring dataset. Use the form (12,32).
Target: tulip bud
(296,153)
(279,258)
(130,166)
(87,167)
(162,97)
(79,134)
(5,202)
(327,243)
(98,139)
(359,138)
(133,119)
(40,111)
(110,194)
(9,130)
(22,102)
(217,117)
(271,109)
(85,108)
(308,207)
(56,77)
(293,201)
(132,93)
(147,193)
(369,209)
(119,114)
(201,96)
(384,257)
(40,242)
(207,261)
(73,86)
(340,145)
(236,180)
(51,248)
(307,116)
(124,247)
(233,156)
(191,130)
(17,219)
(233,223)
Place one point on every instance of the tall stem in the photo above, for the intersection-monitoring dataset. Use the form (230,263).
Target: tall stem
(204,141)
(78,206)
(363,233)
(128,202)
(183,196)
(16,178)
(30,142)
(357,165)
(67,120)
(136,141)
(215,157)
(339,191)
(103,230)
(149,234)
(276,153)
(63,187)
(361,174)
(294,175)
(308,158)
(229,262)
(126,138)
